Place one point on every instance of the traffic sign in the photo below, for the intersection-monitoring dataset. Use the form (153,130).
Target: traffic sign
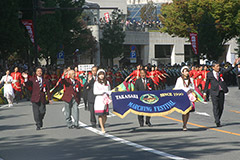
(133,54)
(60,55)
(133,48)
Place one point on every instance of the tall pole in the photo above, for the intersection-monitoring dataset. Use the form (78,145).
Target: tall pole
(35,8)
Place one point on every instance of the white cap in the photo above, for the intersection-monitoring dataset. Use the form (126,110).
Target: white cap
(100,70)
(184,67)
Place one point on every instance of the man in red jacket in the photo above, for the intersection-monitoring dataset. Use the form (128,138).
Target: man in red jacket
(40,88)
(71,97)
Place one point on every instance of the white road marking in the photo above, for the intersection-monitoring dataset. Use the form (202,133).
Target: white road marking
(129,143)
(202,113)
(4,106)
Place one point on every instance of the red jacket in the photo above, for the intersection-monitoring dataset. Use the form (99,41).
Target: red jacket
(39,94)
(71,90)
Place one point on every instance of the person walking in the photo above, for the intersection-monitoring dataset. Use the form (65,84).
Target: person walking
(144,84)
(71,97)
(16,84)
(101,90)
(40,88)
(217,90)
(90,96)
(8,90)
(185,82)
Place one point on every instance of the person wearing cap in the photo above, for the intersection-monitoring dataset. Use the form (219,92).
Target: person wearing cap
(101,90)
(185,82)
(217,90)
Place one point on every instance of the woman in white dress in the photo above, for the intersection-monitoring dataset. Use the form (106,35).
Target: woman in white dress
(185,83)
(101,89)
(8,90)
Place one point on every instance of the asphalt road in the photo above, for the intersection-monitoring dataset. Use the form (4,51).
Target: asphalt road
(124,139)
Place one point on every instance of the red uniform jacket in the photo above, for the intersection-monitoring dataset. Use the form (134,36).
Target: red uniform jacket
(71,90)
(39,94)
(17,81)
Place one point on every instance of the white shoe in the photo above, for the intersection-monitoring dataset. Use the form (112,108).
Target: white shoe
(10,105)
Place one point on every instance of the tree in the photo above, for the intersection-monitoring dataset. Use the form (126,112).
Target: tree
(111,43)
(12,34)
(148,12)
(210,42)
(50,32)
(181,15)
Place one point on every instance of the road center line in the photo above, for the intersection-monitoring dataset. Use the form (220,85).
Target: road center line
(201,126)
(129,143)
(235,111)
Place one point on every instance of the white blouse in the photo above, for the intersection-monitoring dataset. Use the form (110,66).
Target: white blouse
(180,84)
(6,79)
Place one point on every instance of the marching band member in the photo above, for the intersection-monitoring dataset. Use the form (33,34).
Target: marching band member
(16,84)
(118,78)
(109,76)
(135,74)
(8,89)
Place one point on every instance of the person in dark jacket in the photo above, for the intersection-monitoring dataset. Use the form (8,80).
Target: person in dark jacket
(90,96)
(144,84)
(217,90)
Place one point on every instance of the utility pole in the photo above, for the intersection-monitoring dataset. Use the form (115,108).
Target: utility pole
(35,9)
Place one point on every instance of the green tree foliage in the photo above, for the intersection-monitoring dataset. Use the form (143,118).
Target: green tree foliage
(111,43)
(210,42)
(55,28)
(148,12)
(181,15)
(11,33)
(49,29)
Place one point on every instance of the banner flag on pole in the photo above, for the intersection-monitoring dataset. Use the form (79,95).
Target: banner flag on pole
(194,42)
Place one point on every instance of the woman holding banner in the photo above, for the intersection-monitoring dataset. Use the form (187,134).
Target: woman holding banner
(101,89)
(186,83)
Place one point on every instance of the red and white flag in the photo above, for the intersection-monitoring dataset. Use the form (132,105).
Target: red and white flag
(107,17)
(194,42)
(29,26)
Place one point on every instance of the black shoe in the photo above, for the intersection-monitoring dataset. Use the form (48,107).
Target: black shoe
(149,124)
(38,128)
(41,125)
(218,125)
(77,127)
(141,125)
(94,125)
(71,127)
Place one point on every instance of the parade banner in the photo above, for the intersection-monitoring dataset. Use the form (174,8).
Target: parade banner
(107,17)
(29,26)
(194,42)
(150,103)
